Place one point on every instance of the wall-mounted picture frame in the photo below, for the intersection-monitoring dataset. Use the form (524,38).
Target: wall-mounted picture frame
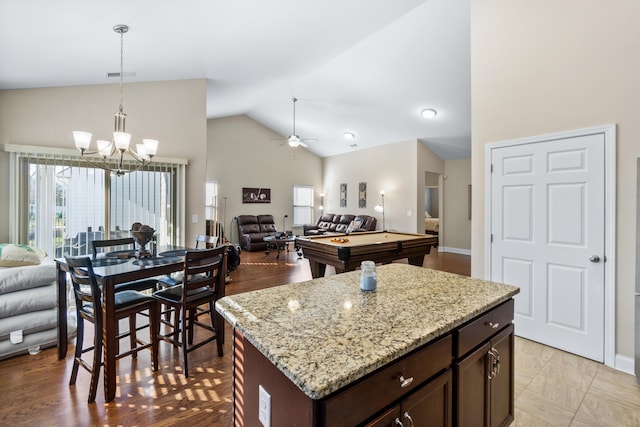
(362,195)
(256,195)
(343,195)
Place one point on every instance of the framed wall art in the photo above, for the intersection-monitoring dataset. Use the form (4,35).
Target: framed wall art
(256,195)
(343,195)
(362,195)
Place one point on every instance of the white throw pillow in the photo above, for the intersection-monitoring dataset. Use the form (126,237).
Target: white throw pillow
(12,255)
(350,227)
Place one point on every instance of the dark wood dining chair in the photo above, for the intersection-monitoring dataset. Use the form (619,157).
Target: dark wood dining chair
(202,284)
(176,278)
(203,238)
(125,244)
(128,303)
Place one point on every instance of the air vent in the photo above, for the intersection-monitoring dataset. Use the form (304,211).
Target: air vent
(125,74)
(353,145)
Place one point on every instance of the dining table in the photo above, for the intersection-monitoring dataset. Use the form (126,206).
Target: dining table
(110,270)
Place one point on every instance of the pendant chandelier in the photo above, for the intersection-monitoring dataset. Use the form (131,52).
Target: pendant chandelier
(110,155)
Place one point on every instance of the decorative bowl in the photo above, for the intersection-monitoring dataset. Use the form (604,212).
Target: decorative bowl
(142,237)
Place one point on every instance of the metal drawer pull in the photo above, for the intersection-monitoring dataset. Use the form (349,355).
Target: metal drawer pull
(406,415)
(493,325)
(405,382)
(398,422)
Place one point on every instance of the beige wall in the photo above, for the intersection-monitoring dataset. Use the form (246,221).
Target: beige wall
(393,168)
(241,154)
(172,112)
(540,67)
(456,227)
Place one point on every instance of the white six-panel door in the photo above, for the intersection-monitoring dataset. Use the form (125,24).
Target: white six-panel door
(548,230)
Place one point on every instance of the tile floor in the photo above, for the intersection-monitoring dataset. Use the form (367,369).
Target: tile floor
(555,388)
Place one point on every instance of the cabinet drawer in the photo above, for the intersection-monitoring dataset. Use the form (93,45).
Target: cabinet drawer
(357,402)
(479,330)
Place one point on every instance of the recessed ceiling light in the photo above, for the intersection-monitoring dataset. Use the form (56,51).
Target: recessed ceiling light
(428,113)
(349,135)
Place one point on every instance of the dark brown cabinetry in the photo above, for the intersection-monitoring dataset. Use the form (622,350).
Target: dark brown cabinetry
(430,405)
(485,380)
(463,378)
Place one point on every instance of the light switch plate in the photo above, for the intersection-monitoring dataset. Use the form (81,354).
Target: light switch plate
(194,218)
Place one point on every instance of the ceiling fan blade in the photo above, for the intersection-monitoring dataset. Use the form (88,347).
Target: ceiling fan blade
(302,144)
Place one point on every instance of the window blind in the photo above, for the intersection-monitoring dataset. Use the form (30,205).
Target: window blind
(62,202)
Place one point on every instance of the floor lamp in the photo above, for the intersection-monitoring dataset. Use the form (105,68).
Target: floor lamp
(380,208)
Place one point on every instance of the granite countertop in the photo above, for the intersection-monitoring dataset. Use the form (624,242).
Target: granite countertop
(324,334)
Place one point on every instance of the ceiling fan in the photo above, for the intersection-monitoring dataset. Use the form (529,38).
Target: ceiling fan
(294,140)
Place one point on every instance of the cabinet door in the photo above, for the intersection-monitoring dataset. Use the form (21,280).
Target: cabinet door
(502,384)
(472,393)
(431,405)
(389,418)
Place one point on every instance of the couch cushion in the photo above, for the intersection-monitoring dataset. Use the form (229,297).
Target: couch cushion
(249,228)
(326,218)
(346,219)
(247,219)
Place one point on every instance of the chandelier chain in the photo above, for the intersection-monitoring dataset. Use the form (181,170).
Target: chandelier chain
(121,70)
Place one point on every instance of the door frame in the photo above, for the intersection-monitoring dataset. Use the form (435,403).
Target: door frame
(609,133)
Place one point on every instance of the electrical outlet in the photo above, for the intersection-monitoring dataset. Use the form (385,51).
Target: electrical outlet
(264,407)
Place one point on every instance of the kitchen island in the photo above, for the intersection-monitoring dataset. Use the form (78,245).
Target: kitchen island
(327,353)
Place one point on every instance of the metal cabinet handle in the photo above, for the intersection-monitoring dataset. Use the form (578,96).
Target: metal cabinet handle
(493,325)
(594,258)
(407,416)
(398,422)
(494,362)
(405,382)
(492,371)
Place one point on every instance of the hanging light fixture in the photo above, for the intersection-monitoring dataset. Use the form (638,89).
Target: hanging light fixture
(110,154)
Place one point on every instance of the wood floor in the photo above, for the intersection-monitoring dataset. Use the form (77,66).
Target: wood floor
(552,387)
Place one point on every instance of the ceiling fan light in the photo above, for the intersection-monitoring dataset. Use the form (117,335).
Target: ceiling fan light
(429,113)
(294,141)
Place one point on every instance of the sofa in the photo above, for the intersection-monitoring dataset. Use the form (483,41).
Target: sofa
(252,229)
(332,223)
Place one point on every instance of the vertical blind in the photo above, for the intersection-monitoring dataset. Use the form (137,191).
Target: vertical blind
(62,203)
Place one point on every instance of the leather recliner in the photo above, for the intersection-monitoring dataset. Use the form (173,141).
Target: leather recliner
(252,229)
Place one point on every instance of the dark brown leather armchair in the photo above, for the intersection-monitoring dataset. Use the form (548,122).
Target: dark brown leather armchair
(331,223)
(252,229)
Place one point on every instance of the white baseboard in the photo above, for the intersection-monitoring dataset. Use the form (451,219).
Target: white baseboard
(624,364)
(454,250)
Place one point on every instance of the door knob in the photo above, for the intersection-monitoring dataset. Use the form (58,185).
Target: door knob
(594,258)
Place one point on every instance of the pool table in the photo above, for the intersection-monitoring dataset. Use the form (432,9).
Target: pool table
(346,252)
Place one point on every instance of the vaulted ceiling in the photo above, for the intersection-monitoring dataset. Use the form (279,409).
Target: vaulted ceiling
(362,66)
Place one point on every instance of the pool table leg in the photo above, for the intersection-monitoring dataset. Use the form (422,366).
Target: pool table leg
(417,260)
(317,269)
